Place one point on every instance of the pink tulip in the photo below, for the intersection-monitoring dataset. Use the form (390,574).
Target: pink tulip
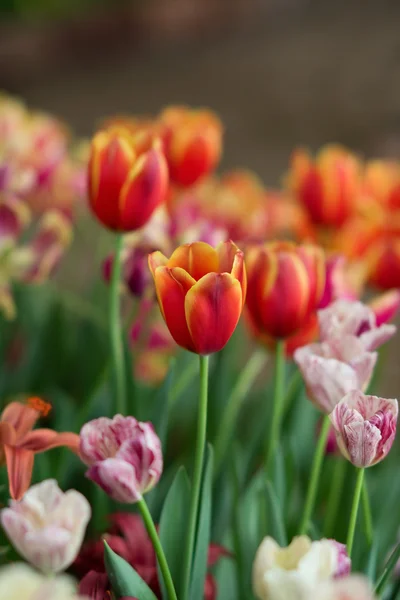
(47,526)
(124,456)
(365,427)
(353,318)
(332,369)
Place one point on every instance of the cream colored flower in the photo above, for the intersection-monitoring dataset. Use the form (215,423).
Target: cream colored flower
(20,582)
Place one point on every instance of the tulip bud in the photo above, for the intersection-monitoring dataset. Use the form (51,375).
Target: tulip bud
(124,456)
(201,292)
(328,187)
(47,526)
(193,143)
(365,427)
(285,285)
(125,187)
(296,570)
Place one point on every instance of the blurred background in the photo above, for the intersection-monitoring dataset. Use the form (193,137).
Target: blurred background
(279,72)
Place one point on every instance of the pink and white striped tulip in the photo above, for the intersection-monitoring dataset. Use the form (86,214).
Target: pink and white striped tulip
(47,526)
(332,369)
(295,571)
(353,318)
(365,427)
(124,456)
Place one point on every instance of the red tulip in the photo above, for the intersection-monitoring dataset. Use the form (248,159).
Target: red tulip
(201,292)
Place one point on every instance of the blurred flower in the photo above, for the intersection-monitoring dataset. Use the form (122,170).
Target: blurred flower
(47,526)
(193,142)
(124,456)
(352,318)
(31,261)
(129,539)
(385,306)
(126,182)
(328,187)
(283,270)
(19,442)
(19,582)
(353,587)
(293,572)
(365,427)
(201,292)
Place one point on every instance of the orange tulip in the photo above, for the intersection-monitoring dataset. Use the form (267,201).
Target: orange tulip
(193,142)
(128,178)
(201,292)
(19,443)
(286,282)
(328,187)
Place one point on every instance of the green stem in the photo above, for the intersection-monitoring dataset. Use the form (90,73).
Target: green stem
(278,406)
(197,471)
(238,394)
(354,511)
(315,475)
(117,346)
(390,565)
(162,561)
(368,524)
(335,495)
(237,541)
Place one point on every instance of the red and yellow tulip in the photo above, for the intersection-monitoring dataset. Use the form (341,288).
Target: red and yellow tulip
(285,284)
(128,178)
(193,142)
(201,291)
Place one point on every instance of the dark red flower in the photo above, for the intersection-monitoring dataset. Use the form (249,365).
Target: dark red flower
(128,538)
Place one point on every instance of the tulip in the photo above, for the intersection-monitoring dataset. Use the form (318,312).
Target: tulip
(285,285)
(193,143)
(385,306)
(294,572)
(125,187)
(347,318)
(328,187)
(47,526)
(353,587)
(19,582)
(201,292)
(19,442)
(365,427)
(124,456)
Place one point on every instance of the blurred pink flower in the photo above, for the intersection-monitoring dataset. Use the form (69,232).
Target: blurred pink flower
(47,526)
(365,427)
(124,456)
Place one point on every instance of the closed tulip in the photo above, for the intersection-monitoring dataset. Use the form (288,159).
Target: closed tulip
(285,285)
(126,181)
(18,581)
(124,456)
(201,292)
(47,526)
(365,427)
(193,142)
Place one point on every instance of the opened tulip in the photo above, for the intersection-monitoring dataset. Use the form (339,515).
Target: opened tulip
(126,182)
(365,427)
(124,456)
(201,292)
(295,571)
(193,143)
(18,581)
(19,442)
(47,526)
(329,186)
(285,285)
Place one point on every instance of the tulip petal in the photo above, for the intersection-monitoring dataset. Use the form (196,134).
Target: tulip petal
(117,478)
(157,259)
(19,469)
(21,416)
(41,440)
(197,259)
(213,307)
(231,260)
(172,285)
(144,189)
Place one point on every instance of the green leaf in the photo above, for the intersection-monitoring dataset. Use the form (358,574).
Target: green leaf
(173,525)
(199,568)
(275,516)
(125,581)
(160,415)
